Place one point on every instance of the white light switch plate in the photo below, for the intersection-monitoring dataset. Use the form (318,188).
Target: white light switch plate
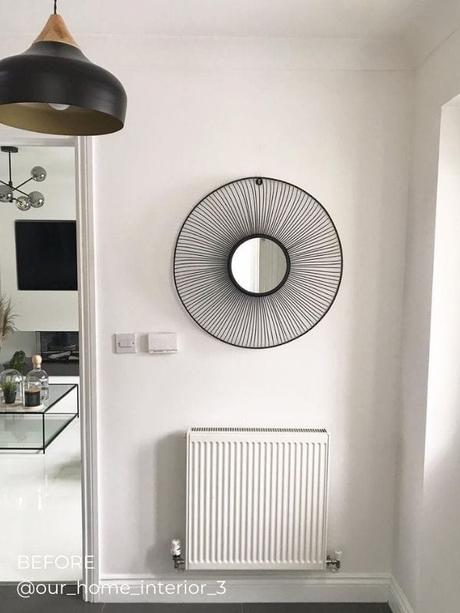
(162,342)
(125,343)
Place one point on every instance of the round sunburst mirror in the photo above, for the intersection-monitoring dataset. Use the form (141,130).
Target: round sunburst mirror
(258,262)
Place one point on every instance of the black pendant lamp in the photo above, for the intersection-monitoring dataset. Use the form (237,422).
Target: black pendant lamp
(53,88)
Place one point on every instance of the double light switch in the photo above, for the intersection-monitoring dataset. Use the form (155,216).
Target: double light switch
(154,342)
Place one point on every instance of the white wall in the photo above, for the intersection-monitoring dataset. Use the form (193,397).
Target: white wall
(336,119)
(437,82)
(441,493)
(203,112)
(38,310)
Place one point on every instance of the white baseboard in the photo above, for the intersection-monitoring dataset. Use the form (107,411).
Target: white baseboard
(398,600)
(185,587)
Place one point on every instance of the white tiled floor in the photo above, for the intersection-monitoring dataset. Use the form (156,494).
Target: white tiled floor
(40,507)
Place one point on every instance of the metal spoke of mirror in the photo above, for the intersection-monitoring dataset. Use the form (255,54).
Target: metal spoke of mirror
(258,262)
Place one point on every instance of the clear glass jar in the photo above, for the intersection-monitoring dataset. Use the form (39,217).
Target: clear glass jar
(36,382)
(11,386)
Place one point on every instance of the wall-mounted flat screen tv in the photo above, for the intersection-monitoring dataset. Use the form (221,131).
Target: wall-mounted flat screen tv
(46,255)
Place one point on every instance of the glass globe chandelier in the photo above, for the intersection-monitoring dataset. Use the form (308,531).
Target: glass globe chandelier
(25,201)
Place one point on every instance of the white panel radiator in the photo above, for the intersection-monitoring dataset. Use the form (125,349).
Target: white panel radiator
(256,499)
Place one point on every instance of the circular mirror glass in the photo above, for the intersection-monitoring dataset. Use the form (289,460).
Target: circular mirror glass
(259,265)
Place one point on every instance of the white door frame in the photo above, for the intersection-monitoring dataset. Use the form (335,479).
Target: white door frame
(88,357)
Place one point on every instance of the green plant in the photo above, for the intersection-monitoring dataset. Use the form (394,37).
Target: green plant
(9,387)
(18,362)
(7,318)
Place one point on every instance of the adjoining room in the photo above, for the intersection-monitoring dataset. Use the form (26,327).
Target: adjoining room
(39,438)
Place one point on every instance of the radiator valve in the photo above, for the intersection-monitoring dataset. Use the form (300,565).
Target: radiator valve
(176,552)
(334,563)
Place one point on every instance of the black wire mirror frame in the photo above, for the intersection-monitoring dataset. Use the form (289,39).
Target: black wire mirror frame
(201,262)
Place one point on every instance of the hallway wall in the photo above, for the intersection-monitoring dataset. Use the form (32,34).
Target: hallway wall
(203,112)
(437,82)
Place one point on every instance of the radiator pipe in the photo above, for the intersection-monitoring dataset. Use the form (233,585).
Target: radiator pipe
(334,563)
(176,552)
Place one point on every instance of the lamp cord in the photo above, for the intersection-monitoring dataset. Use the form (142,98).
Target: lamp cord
(55,7)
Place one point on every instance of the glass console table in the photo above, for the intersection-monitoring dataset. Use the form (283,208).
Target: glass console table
(33,429)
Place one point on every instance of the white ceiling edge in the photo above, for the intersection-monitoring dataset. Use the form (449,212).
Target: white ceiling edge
(260,53)
(410,29)
(210,52)
(433,25)
(407,50)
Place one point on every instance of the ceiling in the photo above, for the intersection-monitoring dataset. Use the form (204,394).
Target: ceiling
(422,24)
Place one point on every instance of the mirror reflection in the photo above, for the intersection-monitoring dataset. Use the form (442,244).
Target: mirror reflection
(259,265)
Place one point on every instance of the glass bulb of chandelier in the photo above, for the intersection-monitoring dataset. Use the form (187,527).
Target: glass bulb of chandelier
(23,203)
(6,193)
(37,199)
(58,107)
(38,173)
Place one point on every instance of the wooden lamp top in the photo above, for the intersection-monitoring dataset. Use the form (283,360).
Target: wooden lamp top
(56,31)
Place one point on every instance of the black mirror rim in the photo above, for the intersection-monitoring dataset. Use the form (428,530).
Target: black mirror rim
(285,276)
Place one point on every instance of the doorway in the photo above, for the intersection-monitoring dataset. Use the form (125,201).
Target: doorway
(47,495)
(441,493)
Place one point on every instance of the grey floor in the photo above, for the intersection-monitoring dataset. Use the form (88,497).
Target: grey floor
(12,603)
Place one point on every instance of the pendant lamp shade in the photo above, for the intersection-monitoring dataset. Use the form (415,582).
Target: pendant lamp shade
(53,88)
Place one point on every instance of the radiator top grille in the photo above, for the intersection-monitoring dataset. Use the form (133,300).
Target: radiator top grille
(211,429)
